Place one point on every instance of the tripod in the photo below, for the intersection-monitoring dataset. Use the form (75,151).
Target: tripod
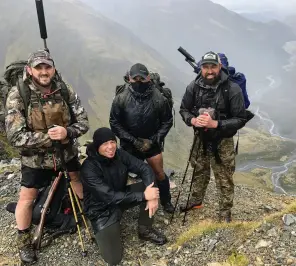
(74,203)
(184,176)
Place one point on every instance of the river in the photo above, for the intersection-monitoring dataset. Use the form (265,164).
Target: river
(282,167)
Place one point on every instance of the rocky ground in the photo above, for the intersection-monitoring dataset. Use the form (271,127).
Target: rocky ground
(257,236)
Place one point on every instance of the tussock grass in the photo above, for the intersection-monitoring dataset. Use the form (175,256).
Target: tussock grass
(11,152)
(291,208)
(209,226)
(237,259)
(241,228)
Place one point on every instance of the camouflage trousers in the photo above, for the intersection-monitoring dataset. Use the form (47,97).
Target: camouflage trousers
(223,172)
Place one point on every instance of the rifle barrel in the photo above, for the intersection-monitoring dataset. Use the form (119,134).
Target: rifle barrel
(188,56)
(41,20)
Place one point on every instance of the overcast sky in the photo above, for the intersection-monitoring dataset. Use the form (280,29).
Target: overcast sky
(277,6)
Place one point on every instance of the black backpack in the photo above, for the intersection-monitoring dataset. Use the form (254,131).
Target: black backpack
(155,79)
(13,76)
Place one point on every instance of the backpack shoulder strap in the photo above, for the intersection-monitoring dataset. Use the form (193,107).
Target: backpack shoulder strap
(225,93)
(197,96)
(25,94)
(66,96)
(123,95)
(157,98)
(65,92)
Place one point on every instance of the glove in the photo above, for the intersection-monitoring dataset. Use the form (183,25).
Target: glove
(142,145)
(138,145)
(147,143)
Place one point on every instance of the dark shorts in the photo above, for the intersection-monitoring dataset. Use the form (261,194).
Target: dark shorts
(155,150)
(39,178)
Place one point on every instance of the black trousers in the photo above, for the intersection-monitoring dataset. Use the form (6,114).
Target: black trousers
(109,239)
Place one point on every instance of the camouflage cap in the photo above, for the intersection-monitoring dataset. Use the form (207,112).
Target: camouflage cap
(40,57)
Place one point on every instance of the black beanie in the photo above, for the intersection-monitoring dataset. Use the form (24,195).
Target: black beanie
(102,135)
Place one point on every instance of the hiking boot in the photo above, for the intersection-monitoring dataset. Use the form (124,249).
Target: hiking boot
(26,249)
(11,206)
(150,234)
(225,218)
(191,207)
(168,207)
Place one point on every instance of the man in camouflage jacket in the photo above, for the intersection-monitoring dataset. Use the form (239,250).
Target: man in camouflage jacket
(49,118)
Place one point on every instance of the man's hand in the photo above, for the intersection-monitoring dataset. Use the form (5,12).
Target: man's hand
(152,206)
(139,145)
(57,133)
(205,120)
(146,144)
(151,193)
(195,122)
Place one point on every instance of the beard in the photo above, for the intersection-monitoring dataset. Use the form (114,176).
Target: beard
(211,81)
(42,80)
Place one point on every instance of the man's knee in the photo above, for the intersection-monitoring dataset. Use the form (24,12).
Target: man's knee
(160,175)
(27,196)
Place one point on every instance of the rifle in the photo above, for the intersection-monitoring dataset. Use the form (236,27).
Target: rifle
(39,229)
(189,59)
(41,21)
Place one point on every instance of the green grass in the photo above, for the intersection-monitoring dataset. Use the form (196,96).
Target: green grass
(243,229)
(8,149)
(206,227)
(237,259)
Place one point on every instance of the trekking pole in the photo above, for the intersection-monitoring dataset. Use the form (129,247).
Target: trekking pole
(73,196)
(185,173)
(39,229)
(41,21)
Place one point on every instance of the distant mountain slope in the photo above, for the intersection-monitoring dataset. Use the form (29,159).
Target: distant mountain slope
(92,52)
(199,26)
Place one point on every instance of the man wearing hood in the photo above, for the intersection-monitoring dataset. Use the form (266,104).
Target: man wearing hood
(141,118)
(106,194)
(215,119)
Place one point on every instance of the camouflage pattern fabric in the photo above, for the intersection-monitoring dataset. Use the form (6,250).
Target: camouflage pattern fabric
(223,173)
(24,139)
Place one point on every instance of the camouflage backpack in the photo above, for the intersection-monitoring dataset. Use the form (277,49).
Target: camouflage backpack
(155,78)
(13,76)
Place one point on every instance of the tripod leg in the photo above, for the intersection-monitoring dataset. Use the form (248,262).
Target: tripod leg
(84,253)
(191,183)
(81,212)
(189,194)
(185,173)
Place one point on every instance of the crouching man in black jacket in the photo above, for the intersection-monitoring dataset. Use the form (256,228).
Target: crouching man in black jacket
(106,194)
